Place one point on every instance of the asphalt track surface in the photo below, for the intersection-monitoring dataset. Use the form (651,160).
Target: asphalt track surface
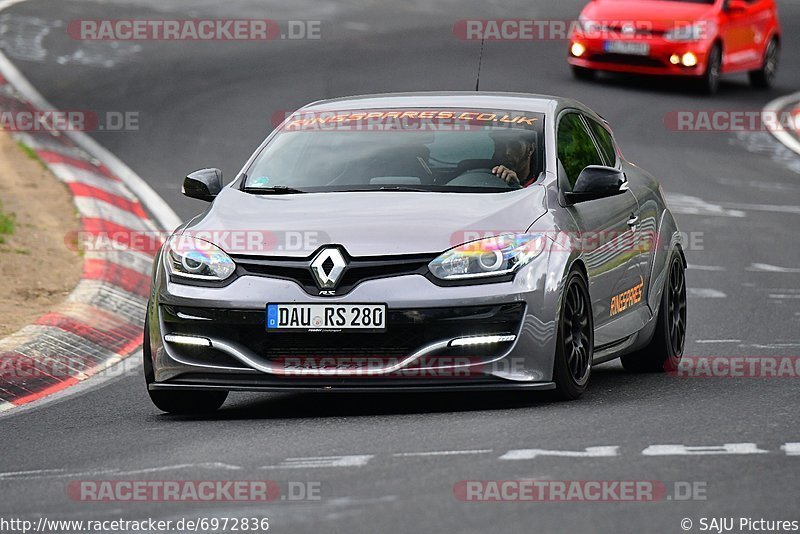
(206,104)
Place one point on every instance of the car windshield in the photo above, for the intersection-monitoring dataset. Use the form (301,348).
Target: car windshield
(440,150)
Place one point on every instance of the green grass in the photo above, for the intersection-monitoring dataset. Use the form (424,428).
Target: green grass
(7,225)
(31,153)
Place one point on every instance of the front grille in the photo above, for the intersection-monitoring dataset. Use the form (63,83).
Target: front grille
(358,270)
(407,331)
(625,59)
(638,31)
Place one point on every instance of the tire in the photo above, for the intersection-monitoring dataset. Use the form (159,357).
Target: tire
(177,402)
(582,73)
(709,82)
(665,350)
(765,76)
(575,341)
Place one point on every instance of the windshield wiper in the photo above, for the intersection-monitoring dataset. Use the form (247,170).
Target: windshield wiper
(383,188)
(403,188)
(274,190)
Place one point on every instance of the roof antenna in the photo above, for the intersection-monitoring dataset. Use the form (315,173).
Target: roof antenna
(480,62)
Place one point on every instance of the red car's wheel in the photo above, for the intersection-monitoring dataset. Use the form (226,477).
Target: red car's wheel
(709,83)
(763,77)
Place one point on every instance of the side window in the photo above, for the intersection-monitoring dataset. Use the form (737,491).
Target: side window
(605,142)
(576,149)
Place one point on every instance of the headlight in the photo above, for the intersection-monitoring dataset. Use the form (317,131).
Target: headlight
(577,49)
(693,32)
(494,256)
(192,258)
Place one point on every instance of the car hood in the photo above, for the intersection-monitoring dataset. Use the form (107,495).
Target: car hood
(662,14)
(364,223)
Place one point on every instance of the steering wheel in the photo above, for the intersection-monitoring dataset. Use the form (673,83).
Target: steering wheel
(480,177)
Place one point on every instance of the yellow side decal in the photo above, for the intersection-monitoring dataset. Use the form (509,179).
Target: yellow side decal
(627,298)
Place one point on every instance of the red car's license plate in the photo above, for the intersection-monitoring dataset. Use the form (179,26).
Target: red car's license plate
(625,47)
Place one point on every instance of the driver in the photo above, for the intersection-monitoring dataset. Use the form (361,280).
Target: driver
(513,151)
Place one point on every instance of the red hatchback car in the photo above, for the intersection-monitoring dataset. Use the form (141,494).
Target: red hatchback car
(699,38)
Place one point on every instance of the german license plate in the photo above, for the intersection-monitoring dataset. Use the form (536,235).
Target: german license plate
(326,317)
(626,47)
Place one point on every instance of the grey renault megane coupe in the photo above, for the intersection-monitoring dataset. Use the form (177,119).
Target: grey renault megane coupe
(418,242)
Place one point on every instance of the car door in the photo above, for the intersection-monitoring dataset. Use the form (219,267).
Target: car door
(607,227)
(762,17)
(743,34)
(645,227)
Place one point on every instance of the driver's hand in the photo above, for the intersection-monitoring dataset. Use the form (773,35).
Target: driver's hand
(509,176)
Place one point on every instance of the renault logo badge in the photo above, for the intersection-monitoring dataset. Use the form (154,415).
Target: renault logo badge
(327,268)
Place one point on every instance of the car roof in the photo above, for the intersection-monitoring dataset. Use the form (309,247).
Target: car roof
(450,99)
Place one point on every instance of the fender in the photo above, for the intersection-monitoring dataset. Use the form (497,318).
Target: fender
(667,240)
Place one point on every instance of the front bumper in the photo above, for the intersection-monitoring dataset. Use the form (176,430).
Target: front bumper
(412,354)
(657,62)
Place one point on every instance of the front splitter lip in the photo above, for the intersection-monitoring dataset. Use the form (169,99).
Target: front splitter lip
(433,388)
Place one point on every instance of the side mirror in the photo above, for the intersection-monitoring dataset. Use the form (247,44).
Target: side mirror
(204,184)
(596,181)
(737,6)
